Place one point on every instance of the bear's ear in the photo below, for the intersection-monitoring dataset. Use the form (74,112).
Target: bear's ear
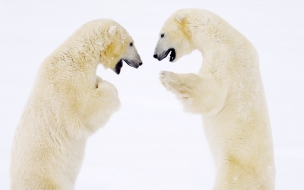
(180,17)
(112,30)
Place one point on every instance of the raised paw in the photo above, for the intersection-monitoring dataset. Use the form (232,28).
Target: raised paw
(98,80)
(107,88)
(174,83)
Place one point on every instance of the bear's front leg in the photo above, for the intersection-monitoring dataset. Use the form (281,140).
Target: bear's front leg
(199,94)
(182,85)
(99,105)
(107,97)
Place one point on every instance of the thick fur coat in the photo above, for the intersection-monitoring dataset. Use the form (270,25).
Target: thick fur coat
(227,91)
(67,104)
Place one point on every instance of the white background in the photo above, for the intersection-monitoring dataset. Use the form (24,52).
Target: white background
(150,144)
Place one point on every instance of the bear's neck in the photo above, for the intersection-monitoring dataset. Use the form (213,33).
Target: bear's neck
(219,42)
(73,61)
(215,36)
(86,54)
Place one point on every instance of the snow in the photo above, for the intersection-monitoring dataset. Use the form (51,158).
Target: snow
(150,143)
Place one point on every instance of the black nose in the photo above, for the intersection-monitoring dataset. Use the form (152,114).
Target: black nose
(155,55)
(140,63)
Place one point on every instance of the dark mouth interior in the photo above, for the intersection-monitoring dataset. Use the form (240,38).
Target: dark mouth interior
(131,63)
(172,54)
(118,67)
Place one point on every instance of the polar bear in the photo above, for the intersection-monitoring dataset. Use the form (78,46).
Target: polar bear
(67,104)
(228,93)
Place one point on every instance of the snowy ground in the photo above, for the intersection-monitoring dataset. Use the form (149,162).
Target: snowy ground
(150,143)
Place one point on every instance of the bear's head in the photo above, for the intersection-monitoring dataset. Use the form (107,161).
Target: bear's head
(112,44)
(174,38)
(121,48)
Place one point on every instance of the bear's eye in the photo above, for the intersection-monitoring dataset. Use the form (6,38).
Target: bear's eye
(162,35)
(131,44)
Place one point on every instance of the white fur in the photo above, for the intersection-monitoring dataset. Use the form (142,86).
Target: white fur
(228,93)
(67,104)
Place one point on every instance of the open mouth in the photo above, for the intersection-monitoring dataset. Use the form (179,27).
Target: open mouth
(119,65)
(172,55)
